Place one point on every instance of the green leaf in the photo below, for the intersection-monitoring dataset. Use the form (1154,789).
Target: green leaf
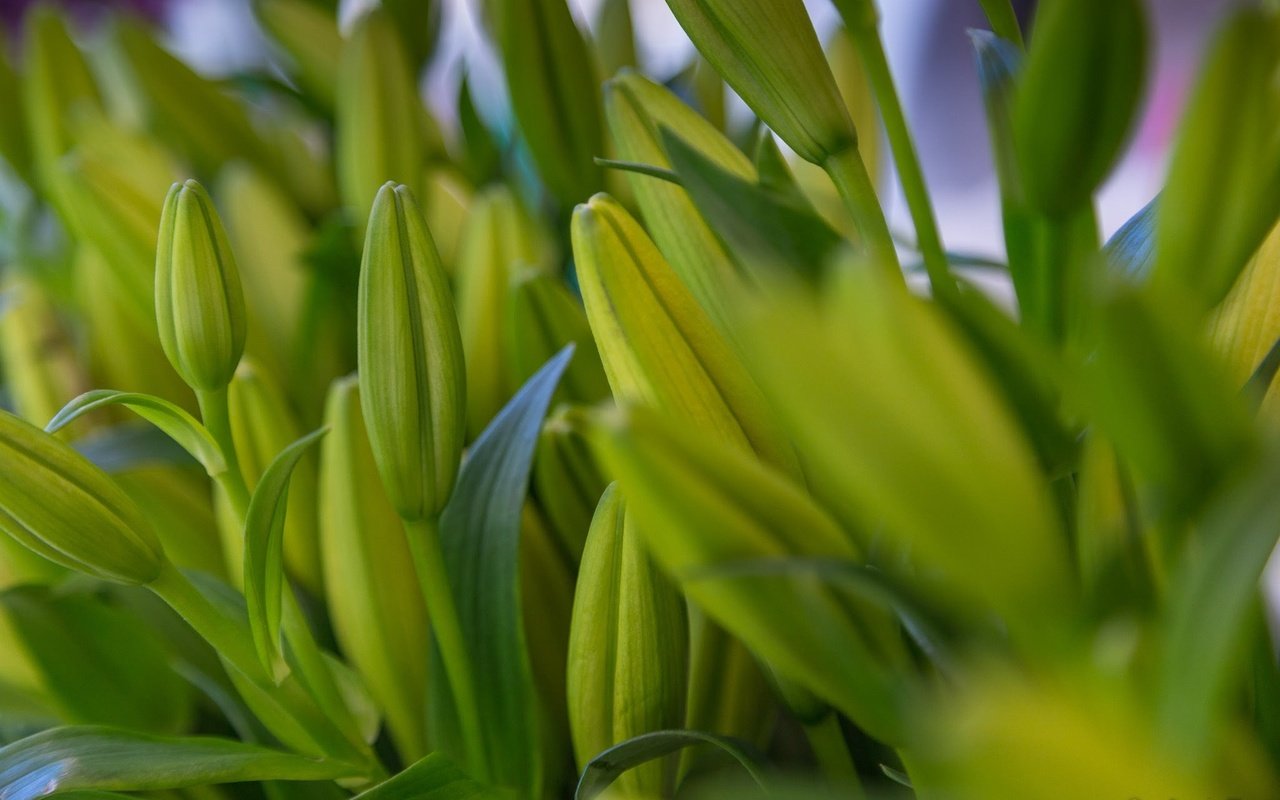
(168,417)
(1211,595)
(98,758)
(434,777)
(130,683)
(480,540)
(1077,98)
(264,551)
(1131,250)
(605,768)
(1003,20)
(767,230)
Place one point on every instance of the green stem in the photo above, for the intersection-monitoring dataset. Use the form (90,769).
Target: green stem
(216,416)
(854,184)
(832,753)
(863,25)
(428,561)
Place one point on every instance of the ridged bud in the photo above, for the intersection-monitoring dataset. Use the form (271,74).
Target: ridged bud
(545,316)
(412,383)
(627,647)
(58,504)
(568,482)
(199,303)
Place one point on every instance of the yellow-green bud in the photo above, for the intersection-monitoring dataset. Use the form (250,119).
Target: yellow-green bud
(769,53)
(199,304)
(379,618)
(37,353)
(412,383)
(379,123)
(545,316)
(567,481)
(58,504)
(627,647)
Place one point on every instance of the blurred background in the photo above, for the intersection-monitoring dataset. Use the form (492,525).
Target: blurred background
(929,52)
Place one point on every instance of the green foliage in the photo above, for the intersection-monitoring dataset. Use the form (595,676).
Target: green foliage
(680,492)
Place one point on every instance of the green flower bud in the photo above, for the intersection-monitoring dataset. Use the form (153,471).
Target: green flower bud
(769,53)
(58,504)
(262,425)
(379,618)
(412,382)
(638,109)
(658,346)
(36,351)
(701,505)
(567,481)
(199,305)
(614,37)
(310,37)
(448,204)
(379,133)
(627,647)
(500,240)
(554,93)
(545,316)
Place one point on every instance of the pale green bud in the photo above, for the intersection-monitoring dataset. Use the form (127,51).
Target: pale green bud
(545,316)
(627,647)
(39,359)
(58,504)
(412,383)
(447,204)
(199,304)
(658,346)
(379,618)
(567,481)
(768,52)
(638,109)
(379,122)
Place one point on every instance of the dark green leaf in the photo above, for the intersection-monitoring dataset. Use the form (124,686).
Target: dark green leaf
(481,157)
(108,759)
(480,539)
(168,417)
(1003,20)
(264,551)
(432,778)
(605,768)
(768,232)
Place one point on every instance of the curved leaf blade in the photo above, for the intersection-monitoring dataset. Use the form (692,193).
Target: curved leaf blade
(264,552)
(95,758)
(480,539)
(434,777)
(605,768)
(170,418)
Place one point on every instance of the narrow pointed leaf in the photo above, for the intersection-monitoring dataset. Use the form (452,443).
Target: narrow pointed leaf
(605,768)
(433,778)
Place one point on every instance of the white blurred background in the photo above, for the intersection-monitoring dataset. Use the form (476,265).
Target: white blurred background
(929,52)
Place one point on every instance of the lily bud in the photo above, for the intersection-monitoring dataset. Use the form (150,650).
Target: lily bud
(567,481)
(768,52)
(658,346)
(702,506)
(262,425)
(58,504)
(627,647)
(199,305)
(38,356)
(379,133)
(544,317)
(379,617)
(638,109)
(412,383)
(499,241)
(546,62)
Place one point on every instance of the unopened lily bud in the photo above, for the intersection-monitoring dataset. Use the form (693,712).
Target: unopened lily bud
(554,93)
(262,425)
(700,506)
(627,647)
(447,204)
(544,317)
(58,504)
(638,109)
(379,617)
(199,304)
(499,241)
(36,352)
(768,52)
(567,480)
(658,346)
(412,383)
(379,124)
